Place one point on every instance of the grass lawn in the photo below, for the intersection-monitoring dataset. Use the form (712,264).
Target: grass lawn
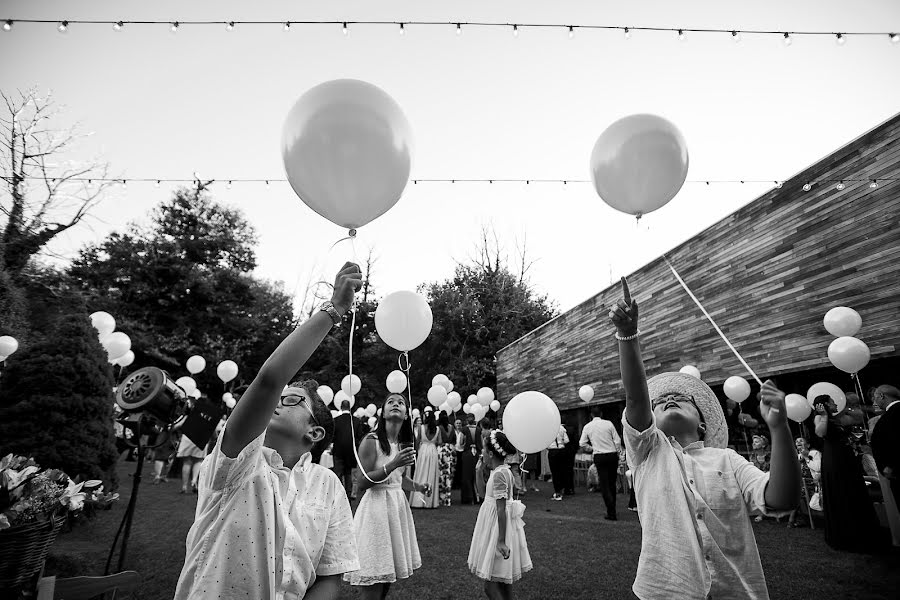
(577,555)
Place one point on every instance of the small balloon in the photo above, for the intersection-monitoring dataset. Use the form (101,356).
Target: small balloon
(195,394)
(326,394)
(116,345)
(103,322)
(445,408)
(479,411)
(396,382)
(472,399)
(126,359)
(443,381)
(823,388)
(531,421)
(340,396)
(227,370)
(437,395)
(849,354)
(485,396)
(227,396)
(8,346)
(842,321)
(372,422)
(690,370)
(371,409)
(195,364)
(403,320)
(187,384)
(467,408)
(495,406)
(737,388)
(416,413)
(798,408)
(454,400)
(351,384)
(230,402)
(586,393)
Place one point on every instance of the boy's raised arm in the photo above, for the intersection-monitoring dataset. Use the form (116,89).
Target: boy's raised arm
(624,316)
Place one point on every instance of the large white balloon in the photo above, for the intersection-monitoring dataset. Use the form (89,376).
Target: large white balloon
(798,408)
(639,163)
(195,364)
(737,388)
(437,395)
(842,321)
(586,393)
(485,396)
(187,384)
(116,345)
(103,322)
(326,394)
(340,396)
(8,345)
(227,370)
(690,370)
(823,388)
(849,354)
(347,149)
(351,384)
(396,382)
(403,320)
(531,421)
(126,359)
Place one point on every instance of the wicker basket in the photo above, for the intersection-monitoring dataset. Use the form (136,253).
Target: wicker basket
(23,550)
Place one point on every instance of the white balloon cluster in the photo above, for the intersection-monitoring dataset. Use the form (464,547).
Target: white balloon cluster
(847,353)
(116,343)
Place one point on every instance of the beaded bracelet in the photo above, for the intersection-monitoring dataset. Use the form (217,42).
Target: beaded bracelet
(627,338)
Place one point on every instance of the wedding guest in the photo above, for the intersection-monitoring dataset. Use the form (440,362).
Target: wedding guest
(850,520)
(261,496)
(385,531)
(695,495)
(886,449)
(571,453)
(482,470)
(556,455)
(600,438)
(428,468)
(348,433)
(447,456)
(468,459)
(810,466)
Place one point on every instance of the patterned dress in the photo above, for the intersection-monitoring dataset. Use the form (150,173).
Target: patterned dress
(447,455)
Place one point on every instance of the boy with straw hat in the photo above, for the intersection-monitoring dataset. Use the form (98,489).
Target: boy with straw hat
(694,495)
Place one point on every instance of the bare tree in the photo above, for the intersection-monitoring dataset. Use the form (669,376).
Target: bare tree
(490,255)
(317,289)
(45,194)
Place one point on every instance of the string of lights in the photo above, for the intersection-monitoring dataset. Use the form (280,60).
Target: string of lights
(680,33)
(839,184)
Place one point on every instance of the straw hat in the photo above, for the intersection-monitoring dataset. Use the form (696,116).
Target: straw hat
(688,385)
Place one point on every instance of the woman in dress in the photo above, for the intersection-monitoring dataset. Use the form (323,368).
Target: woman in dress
(385,532)
(850,520)
(447,456)
(428,470)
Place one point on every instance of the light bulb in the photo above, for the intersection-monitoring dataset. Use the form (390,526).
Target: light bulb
(402,29)
(287,26)
(345,29)
(874,184)
(778,184)
(174,27)
(515,31)
(157,183)
(895,37)
(787,39)
(840,186)
(681,36)
(458,29)
(229,26)
(63,26)
(7,25)
(807,187)
(124,185)
(736,36)
(627,33)
(118,25)
(571,32)
(228,185)
(840,39)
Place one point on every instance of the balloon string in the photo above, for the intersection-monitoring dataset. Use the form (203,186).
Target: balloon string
(706,314)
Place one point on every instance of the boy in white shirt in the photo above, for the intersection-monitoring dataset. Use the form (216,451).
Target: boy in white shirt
(694,495)
(270,524)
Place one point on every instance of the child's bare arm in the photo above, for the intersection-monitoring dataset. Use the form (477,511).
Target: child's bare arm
(624,315)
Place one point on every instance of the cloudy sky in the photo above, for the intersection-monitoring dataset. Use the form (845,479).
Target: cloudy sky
(483,104)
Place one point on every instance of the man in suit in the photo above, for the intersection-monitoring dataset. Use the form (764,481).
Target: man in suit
(344,442)
(472,448)
(886,437)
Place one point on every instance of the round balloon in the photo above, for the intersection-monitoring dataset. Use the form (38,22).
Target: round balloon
(485,396)
(195,364)
(586,393)
(326,394)
(372,422)
(8,345)
(396,382)
(227,370)
(639,163)
(495,406)
(690,370)
(340,396)
(230,402)
(403,320)
(531,421)
(347,149)
(849,354)
(443,381)
(798,408)
(437,395)
(823,388)
(416,413)
(467,408)
(195,394)
(472,399)
(454,400)
(126,359)
(187,384)
(116,345)
(737,388)
(842,321)
(371,409)
(103,322)
(227,396)
(351,385)
(479,411)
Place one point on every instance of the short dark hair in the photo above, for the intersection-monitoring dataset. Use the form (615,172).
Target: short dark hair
(345,405)
(322,414)
(597,411)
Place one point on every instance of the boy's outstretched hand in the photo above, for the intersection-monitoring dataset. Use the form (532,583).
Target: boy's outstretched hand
(624,314)
(347,282)
(771,405)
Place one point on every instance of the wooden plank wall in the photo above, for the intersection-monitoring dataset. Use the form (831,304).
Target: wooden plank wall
(767,274)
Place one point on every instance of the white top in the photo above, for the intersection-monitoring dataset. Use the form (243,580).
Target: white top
(460,441)
(562,438)
(695,503)
(601,435)
(264,531)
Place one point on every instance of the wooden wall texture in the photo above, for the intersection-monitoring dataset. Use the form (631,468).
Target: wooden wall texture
(766,273)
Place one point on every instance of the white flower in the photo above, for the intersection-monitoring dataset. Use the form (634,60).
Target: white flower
(12,479)
(4,522)
(73,497)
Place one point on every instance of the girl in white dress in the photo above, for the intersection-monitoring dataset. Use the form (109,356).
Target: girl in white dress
(499,552)
(385,532)
(428,463)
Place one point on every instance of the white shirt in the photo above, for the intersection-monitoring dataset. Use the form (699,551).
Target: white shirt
(601,435)
(695,505)
(562,438)
(264,531)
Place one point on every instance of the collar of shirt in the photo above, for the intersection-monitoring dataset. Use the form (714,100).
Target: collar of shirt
(274,459)
(888,407)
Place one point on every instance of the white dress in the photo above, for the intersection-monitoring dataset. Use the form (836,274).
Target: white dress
(385,531)
(428,470)
(484,560)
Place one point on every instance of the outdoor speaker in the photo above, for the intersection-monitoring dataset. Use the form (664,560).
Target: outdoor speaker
(151,391)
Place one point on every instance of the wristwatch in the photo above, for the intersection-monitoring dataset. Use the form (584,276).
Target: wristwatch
(329,308)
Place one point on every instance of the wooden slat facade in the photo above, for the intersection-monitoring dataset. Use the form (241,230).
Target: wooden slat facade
(766,273)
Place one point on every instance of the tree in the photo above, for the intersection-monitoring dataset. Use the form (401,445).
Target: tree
(482,308)
(57,402)
(183,286)
(45,194)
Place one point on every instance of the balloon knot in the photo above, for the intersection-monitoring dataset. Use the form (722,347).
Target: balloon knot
(352,233)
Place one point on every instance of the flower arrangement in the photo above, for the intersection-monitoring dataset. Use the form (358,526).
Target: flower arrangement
(29,494)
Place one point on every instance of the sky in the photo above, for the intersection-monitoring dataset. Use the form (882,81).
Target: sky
(483,104)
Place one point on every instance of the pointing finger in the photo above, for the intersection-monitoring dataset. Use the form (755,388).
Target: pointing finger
(625,290)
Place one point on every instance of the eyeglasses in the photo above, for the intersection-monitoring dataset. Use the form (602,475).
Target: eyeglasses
(294,400)
(672,398)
